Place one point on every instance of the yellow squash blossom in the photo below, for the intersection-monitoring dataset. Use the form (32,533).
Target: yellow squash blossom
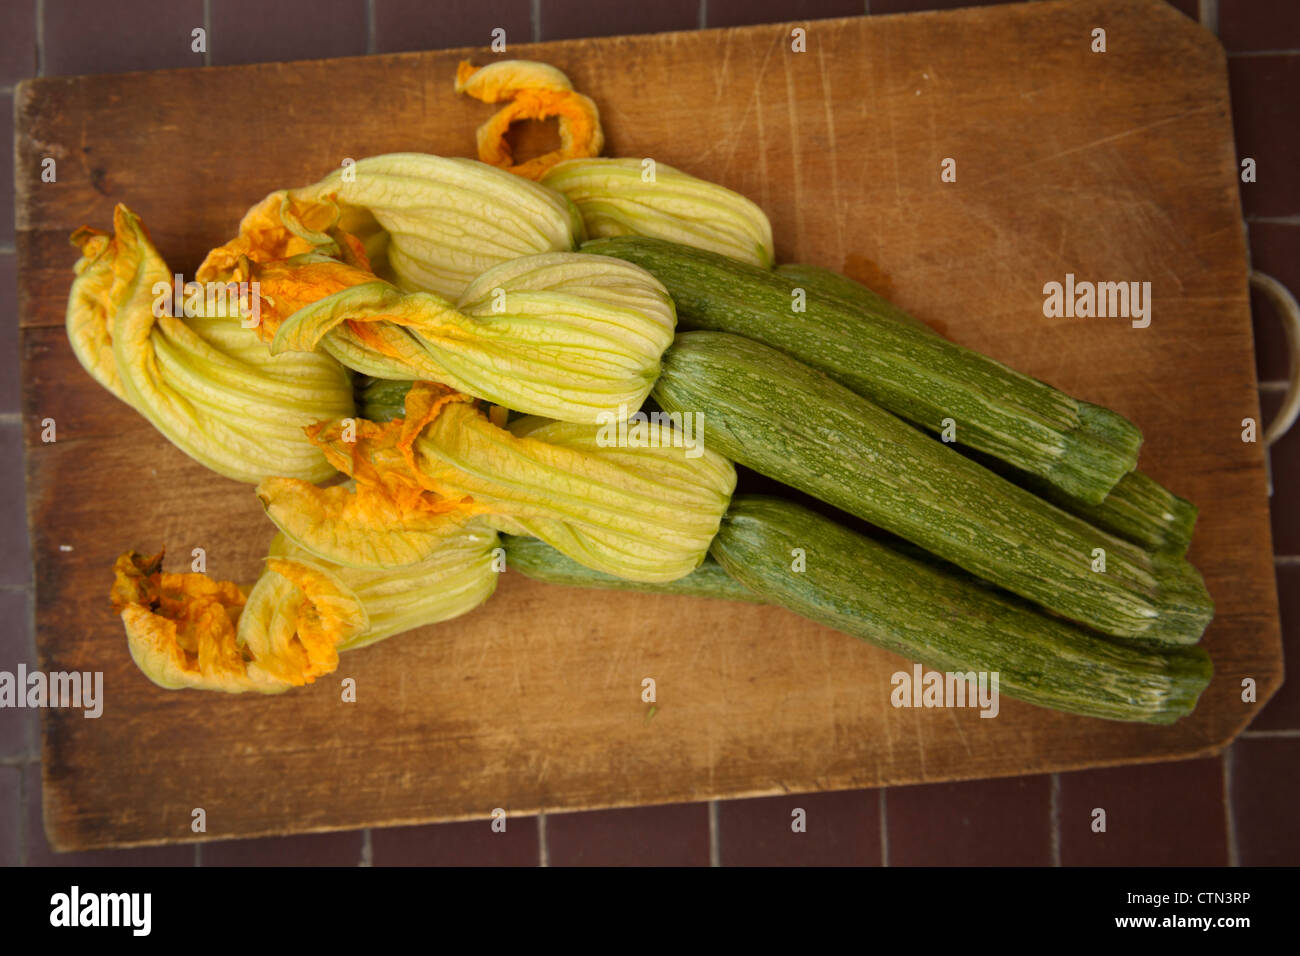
(423,222)
(205,381)
(533,91)
(647,513)
(566,335)
(186,630)
(628,197)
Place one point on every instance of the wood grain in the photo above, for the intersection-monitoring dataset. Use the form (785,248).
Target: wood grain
(1115,166)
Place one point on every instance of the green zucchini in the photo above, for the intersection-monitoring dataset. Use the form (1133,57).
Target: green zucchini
(1081,448)
(864,588)
(821,282)
(1138,509)
(775,415)
(381,399)
(538,560)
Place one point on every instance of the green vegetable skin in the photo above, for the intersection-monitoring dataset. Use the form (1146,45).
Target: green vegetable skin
(946,622)
(1138,509)
(771,413)
(1081,448)
(537,559)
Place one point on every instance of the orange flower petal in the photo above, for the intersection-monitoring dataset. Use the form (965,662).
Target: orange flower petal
(536,91)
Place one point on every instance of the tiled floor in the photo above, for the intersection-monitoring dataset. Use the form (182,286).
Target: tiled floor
(1234,809)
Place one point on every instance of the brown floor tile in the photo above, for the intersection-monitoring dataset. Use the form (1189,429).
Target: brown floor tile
(90,36)
(1259,24)
(974,823)
(6,170)
(38,852)
(310,849)
(18,42)
(18,725)
(735,13)
(10,390)
(1167,814)
(1284,469)
(254,31)
(1283,711)
(1274,250)
(473,843)
(672,835)
(841,829)
(1265,102)
(563,19)
(417,25)
(11,783)
(1265,794)
(15,560)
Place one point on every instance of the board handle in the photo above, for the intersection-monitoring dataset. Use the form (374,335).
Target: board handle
(1289,309)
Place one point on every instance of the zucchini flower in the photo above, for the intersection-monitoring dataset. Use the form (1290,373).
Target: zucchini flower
(566,335)
(423,222)
(186,630)
(205,381)
(645,511)
(535,91)
(627,197)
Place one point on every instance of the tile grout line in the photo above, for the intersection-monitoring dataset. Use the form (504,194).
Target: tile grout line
(207,32)
(8,249)
(1229,812)
(372,41)
(40,37)
(1266,734)
(715,844)
(1286,560)
(1252,54)
(535,14)
(1054,818)
(367,849)
(543,851)
(884,830)
(704,14)
(1273,386)
(1207,11)
(198,854)
(1275,220)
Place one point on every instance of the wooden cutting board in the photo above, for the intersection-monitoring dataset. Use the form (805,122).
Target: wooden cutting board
(1112,166)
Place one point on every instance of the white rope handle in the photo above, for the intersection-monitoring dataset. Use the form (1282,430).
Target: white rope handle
(1289,309)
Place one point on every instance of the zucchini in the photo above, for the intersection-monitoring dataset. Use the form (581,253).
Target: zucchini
(775,415)
(866,589)
(822,282)
(1081,448)
(538,560)
(1138,509)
